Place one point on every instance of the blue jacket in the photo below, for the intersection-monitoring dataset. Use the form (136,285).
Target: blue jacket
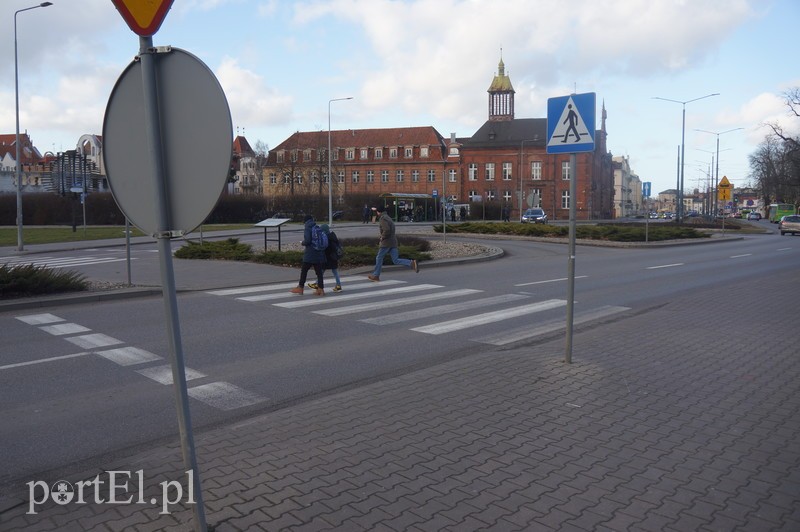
(310,254)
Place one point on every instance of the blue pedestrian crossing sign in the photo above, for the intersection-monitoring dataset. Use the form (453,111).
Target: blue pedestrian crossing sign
(570,123)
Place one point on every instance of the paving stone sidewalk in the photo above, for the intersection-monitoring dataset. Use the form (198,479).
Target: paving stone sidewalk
(684,417)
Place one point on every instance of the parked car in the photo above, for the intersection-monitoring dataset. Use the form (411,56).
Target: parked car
(789,224)
(536,216)
(752,215)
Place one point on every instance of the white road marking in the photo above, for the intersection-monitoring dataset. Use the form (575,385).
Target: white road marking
(163,374)
(64,328)
(443,309)
(39,319)
(89,341)
(489,317)
(271,287)
(551,280)
(52,262)
(314,300)
(44,360)
(363,307)
(286,295)
(224,395)
(664,266)
(128,356)
(526,332)
(740,256)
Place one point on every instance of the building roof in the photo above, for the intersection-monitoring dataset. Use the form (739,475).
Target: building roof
(494,134)
(381,138)
(501,82)
(242,148)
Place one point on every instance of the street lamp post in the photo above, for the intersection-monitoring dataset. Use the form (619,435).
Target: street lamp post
(330,176)
(522,171)
(20,246)
(716,179)
(683,145)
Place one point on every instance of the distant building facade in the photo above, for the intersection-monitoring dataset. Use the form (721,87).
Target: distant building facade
(505,161)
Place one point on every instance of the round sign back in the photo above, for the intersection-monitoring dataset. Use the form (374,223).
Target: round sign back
(196,142)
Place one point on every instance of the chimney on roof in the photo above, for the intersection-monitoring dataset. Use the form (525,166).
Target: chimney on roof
(452,137)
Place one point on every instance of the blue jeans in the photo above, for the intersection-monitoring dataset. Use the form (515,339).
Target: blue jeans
(394,253)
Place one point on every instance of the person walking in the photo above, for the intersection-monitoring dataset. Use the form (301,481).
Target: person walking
(388,244)
(312,258)
(365,214)
(331,258)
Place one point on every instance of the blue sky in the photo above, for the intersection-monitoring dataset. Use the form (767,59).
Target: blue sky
(430,62)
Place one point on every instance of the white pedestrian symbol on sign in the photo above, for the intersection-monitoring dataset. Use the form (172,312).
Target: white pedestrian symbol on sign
(570,124)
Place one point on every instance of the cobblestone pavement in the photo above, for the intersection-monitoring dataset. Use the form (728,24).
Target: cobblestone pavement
(680,418)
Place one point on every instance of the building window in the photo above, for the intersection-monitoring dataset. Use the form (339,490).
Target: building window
(399,176)
(506,171)
(472,194)
(453,151)
(537,199)
(536,170)
(565,199)
(364,153)
(279,156)
(350,154)
(384,176)
(452,175)
(370,176)
(415,176)
(325,178)
(379,153)
(314,176)
(340,175)
(409,152)
(354,176)
(294,156)
(565,170)
(489,171)
(335,154)
(273,179)
(431,176)
(320,154)
(473,171)
(423,151)
(286,179)
(298,178)
(490,195)
(307,155)
(506,196)
(392,153)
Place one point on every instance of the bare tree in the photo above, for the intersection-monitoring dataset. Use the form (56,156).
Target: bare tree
(775,165)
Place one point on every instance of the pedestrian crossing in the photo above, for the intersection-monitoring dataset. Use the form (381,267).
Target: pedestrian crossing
(425,307)
(59,262)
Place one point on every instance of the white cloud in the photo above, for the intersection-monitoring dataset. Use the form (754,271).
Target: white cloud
(252,102)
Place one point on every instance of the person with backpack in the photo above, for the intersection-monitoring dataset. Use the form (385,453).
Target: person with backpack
(315,241)
(388,244)
(333,253)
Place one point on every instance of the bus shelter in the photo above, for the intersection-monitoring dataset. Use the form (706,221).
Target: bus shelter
(409,207)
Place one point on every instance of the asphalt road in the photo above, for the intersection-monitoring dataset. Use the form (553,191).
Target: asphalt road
(83,385)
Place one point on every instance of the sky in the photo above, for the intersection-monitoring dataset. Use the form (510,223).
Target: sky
(429,63)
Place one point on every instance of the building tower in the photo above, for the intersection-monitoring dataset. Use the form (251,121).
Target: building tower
(501,95)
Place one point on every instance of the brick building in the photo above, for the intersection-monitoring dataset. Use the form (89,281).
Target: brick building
(505,161)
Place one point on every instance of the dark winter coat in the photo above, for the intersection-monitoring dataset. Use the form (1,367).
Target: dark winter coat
(311,255)
(331,260)
(388,237)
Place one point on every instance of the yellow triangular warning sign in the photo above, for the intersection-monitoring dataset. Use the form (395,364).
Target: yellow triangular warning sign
(143,17)
(724,183)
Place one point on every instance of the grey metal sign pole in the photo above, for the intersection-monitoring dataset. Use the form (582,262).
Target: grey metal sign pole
(156,157)
(573,187)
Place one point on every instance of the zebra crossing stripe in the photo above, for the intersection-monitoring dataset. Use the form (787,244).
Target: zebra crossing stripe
(443,309)
(39,319)
(489,317)
(51,262)
(59,329)
(224,395)
(269,287)
(526,332)
(364,307)
(284,294)
(307,302)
